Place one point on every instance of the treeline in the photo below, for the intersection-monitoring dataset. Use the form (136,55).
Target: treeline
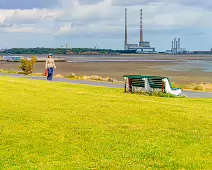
(63,51)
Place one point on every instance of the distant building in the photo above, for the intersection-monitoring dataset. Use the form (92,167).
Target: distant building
(168,51)
(142,46)
(176,47)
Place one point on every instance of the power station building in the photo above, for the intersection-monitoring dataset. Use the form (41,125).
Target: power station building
(176,47)
(142,46)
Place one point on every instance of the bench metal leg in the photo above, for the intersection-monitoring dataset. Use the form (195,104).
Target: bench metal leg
(130,85)
(125,86)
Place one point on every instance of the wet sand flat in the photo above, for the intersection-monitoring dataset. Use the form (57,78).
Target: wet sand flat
(118,69)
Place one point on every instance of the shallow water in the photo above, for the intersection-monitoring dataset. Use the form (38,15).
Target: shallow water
(189,65)
(176,64)
(115,60)
(183,69)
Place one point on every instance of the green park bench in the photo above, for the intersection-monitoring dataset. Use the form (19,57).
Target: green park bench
(136,83)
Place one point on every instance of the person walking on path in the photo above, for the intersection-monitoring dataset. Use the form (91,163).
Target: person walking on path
(50,66)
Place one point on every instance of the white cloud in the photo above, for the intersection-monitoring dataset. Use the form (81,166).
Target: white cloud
(71,12)
(74,11)
(106,18)
(28,16)
(25,30)
(65,29)
(175,15)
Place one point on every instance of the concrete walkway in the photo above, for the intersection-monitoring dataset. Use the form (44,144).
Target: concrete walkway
(190,94)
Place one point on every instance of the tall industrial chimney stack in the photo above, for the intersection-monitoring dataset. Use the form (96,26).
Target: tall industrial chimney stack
(178,42)
(126,41)
(141,27)
(174,43)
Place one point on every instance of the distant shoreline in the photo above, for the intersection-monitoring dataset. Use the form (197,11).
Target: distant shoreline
(122,55)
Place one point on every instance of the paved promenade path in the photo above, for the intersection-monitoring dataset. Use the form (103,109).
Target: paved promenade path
(190,94)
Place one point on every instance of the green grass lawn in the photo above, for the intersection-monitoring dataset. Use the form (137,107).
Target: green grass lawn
(48,125)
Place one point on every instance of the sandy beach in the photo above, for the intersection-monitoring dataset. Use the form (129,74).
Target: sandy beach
(174,67)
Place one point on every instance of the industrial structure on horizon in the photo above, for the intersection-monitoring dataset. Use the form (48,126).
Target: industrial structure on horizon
(143,46)
(176,47)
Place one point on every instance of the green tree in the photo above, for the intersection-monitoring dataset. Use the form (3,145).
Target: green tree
(28,65)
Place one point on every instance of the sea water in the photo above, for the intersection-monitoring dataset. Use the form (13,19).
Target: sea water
(189,65)
(176,64)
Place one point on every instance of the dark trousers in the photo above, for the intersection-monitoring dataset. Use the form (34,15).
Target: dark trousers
(50,73)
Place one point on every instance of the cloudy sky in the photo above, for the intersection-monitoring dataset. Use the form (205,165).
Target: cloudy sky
(85,23)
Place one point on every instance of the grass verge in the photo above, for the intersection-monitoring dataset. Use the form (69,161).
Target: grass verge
(205,87)
(49,125)
(194,87)
(71,76)
(158,94)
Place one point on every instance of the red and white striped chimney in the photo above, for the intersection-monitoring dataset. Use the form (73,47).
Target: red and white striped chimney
(141,27)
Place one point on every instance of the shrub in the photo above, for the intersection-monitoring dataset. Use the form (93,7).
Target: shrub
(158,94)
(94,78)
(28,65)
(8,71)
(161,94)
(200,87)
(71,76)
(59,76)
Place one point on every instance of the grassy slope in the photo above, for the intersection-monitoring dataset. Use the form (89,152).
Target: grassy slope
(48,125)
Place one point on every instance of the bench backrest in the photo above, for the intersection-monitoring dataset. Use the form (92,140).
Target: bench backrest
(155,82)
(137,82)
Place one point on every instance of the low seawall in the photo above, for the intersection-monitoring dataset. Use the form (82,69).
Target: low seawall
(38,60)
(55,59)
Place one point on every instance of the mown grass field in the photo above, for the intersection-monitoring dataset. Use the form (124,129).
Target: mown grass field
(48,125)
